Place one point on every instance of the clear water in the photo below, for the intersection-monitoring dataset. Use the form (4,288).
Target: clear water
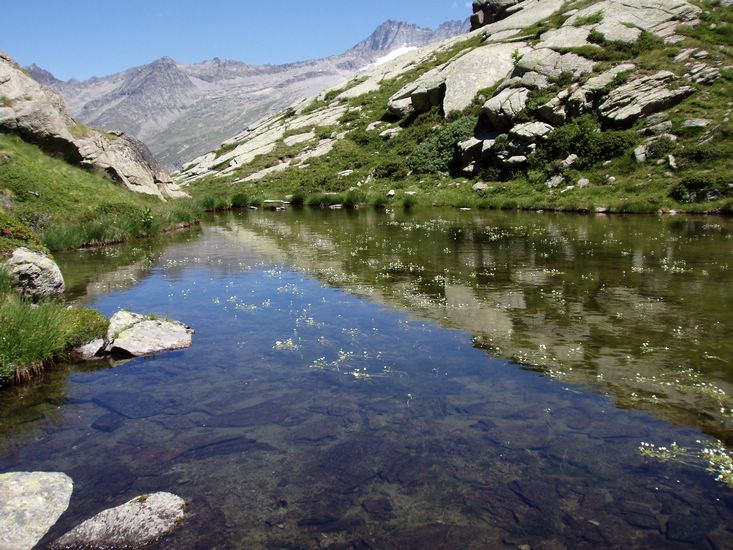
(437,380)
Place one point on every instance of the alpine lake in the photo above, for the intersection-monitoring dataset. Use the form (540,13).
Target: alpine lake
(437,379)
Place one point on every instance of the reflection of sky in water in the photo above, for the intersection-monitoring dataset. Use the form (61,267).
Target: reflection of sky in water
(364,425)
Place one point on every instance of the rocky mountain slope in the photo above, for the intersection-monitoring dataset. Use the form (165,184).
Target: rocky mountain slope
(38,115)
(565,104)
(181,110)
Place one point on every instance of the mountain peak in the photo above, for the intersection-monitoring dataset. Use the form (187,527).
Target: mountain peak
(392,34)
(39,74)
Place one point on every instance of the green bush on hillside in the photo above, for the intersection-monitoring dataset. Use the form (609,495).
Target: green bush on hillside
(438,152)
(584,138)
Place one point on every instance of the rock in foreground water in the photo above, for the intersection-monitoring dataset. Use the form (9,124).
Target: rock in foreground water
(136,335)
(30,504)
(134,524)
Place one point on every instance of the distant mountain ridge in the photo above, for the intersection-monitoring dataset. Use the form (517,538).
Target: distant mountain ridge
(183,110)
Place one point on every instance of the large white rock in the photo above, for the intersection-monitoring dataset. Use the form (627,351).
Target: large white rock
(136,523)
(565,37)
(459,80)
(554,64)
(504,107)
(30,504)
(649,15)
(36,275)
(136,335)
(581,100)
(641,97)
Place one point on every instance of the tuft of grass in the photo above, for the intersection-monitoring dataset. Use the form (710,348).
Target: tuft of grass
(34,336)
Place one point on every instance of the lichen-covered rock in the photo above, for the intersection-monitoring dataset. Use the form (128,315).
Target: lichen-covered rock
(36,275)
(656,16)
(136,523)
(455,84)
(30,504)
(134,335)
(582,100)
(504,107)
(530,132)
(641,97)
(553,64)
(38,115)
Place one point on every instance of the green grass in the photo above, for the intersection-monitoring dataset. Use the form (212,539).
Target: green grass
(67,207)
(34,336)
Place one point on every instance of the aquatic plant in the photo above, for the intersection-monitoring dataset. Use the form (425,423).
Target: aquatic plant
(715,458)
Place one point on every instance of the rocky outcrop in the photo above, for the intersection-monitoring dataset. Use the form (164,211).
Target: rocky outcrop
(490,11)
(642,96)
(39,116)
(504,107)
(30,504)
(135,524)
(134,335)
(35,275)
(552,64)
(659,17)
(454,85)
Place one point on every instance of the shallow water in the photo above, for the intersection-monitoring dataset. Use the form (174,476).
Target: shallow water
(437,380)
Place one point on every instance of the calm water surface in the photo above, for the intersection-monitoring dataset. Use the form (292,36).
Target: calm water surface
(438,380)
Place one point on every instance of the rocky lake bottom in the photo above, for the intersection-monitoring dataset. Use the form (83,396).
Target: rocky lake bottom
(436,380)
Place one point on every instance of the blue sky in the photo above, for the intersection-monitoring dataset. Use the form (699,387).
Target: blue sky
(84,38)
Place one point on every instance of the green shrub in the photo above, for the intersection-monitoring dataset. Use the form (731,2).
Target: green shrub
(353,199)
(409,202)
(439,151)
(298,198)
(240,200)
(391,169)
(380,202)
(584,138)
(701,187)
(322,200)
(660,147)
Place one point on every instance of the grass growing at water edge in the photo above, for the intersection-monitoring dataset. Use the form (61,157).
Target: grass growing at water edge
(35,335)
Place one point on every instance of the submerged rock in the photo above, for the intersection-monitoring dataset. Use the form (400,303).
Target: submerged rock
(30,504)
(135,335)
(36,275)
(134,524)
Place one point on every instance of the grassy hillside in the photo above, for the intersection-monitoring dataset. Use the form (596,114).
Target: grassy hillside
(47,202)
(421,161)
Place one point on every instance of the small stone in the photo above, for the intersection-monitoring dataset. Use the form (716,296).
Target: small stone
(583,182)
(672,161)
(568,188)
(555,181)
(89,351)
(480,187)
(391,194)
(568,162)
(611,180)
(697,123)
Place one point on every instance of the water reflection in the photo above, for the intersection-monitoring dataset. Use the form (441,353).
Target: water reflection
(640,306)
(307,417)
